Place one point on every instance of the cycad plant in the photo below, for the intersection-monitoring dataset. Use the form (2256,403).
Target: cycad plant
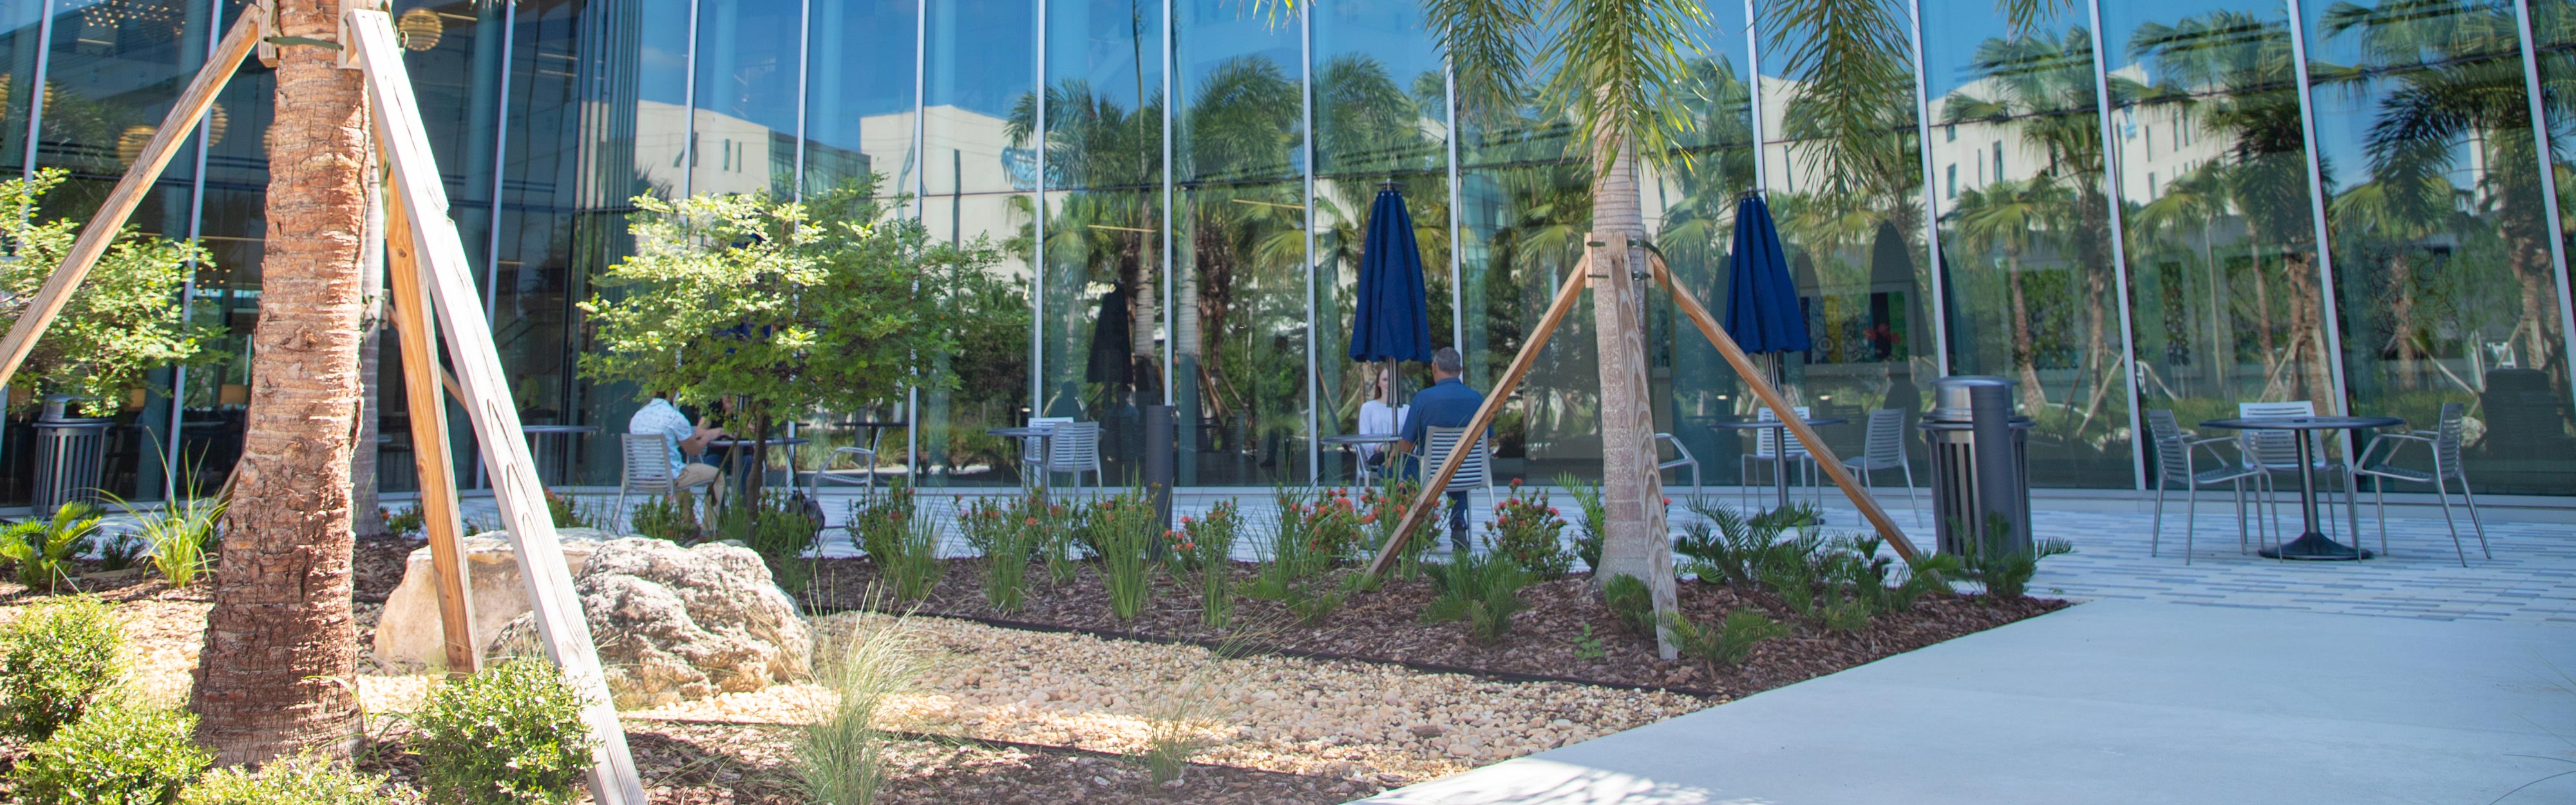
(42,549)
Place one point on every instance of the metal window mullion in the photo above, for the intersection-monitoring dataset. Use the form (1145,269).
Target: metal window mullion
(1171,318)
(1931,202)
(2548,176)
(804,69)
(1306,105)
(2119,250)
(500,158)
(1457,246)
(1037,249)
(36,91)
(171,453)
(921,188)
(689,109)
(1753,81)
(2327,308)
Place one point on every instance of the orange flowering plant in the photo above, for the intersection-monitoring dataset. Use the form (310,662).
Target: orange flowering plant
(1528,532)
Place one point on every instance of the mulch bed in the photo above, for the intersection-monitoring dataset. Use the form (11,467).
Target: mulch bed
(688,763)
(1547,640)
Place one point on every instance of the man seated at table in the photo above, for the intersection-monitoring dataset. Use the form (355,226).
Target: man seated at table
(1447,403)
(660,418)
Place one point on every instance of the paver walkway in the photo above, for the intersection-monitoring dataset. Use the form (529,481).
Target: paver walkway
(2106,703)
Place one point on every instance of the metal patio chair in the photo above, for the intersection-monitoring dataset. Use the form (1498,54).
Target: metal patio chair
(1885,450)
(2176,463)
(1682,458)
(2444,442)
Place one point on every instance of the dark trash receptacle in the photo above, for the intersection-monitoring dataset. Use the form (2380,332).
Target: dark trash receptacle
(70,451)
(1980,464)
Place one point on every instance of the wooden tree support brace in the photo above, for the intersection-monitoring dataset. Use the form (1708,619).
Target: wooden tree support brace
(440,520)
(441,255)
(1779,405)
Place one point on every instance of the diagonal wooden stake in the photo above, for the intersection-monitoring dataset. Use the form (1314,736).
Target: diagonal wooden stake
(1797,426)
(451,296)
(105,224)
(437,469)
(1423,503)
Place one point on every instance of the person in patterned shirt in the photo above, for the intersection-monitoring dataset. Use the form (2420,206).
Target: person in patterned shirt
(680,438)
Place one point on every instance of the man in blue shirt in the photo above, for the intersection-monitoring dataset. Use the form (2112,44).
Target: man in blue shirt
(1448,403)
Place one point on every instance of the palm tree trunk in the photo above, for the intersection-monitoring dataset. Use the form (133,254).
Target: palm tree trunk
(1635,542)
(2024,358)
(278,670)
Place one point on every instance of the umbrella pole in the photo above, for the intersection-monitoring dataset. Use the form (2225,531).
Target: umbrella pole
(1770,394)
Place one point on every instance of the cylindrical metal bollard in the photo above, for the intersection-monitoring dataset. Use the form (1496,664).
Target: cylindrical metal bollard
(69,454)
(1980,462)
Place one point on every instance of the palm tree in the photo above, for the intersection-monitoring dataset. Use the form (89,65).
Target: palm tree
(281,647)
(2011,218)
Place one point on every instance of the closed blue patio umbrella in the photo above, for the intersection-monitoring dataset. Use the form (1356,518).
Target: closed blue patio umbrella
(1762,311)
(1392,320)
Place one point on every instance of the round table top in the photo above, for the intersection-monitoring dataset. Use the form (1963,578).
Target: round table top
(727,441)
(2303,422)
(860,423)
(1021,431)
(558,428)
(1361,438)
(1758,424)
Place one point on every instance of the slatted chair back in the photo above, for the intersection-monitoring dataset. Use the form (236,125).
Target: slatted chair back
(2274,448)
(1029,447)
(2447,438)
(647,464)
(1473,473)
(2173,456)
(1767,440)
(1074,447)
(1886,441)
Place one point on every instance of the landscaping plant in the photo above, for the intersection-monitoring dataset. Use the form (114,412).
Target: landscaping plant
(116,755)
(57,660)
(778,526)
(1742,550)
(1124,533)
(42,549)
(1482,589)
(1587,537)
(840,755)
(1631,602)
(1528,532)
(1303,551)
(118,552)
(912,562)
(1384,507)
(1184,717)
(120,323)
(879,519)
(659,518)
(2007,572)
(1007,537)
(300,779)
(408,520)
(570,513)
(510,734)
(1731,641)
(1208,542)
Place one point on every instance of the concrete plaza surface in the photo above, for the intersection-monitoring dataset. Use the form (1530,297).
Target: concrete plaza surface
(2112,702)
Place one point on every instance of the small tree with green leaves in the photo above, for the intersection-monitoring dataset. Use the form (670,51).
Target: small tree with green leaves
(122,321)
(756,307)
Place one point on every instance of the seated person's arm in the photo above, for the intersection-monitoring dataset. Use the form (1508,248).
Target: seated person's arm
(696,442)
(1410,434)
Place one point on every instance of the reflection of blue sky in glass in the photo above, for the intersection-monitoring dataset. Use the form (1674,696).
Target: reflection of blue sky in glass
(1393,33)
(1098,43)
(2120,17)
(662,59)
(1210,33)
(980,54)
(2345,114)
(743,71)
(862,67)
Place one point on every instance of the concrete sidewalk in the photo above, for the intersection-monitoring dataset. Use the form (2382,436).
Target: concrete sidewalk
(2112,702)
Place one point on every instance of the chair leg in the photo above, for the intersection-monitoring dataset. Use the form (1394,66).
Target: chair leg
(2156,533)
(2239,484)
(2190,517)
(621,510)
(1911,500)
(2474,522)
(2444,493)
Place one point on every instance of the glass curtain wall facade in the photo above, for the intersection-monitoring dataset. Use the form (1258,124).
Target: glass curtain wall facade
(2126,206)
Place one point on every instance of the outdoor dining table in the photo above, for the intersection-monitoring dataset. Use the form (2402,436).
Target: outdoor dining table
(2312,544)
(1779,457)
(1350,444)
(1042,433)
(731,445)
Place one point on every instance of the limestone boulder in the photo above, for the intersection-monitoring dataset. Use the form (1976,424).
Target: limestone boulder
(408,637)
(674,623)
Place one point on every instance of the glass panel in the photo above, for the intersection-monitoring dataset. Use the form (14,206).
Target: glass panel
(980,64)
(992,359)
(746,96)
(641,64)
(2214,181)
(1381,113)
(1245,322)
(539,269)
(2442,264)
(23,20)
(1846,190)
(2025,230)
(859,93)
(234,227)
(1692,210)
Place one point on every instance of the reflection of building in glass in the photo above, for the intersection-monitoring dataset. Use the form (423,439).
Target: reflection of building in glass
(1199,249)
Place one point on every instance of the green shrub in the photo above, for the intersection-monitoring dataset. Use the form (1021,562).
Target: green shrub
(840,756)
(1743,549)
(304,779)
(659,518)
(1384,509)
(1632,602)
(1482,589)
(2006,572)
(42,549)
(570,513)
(1208,544)
(508,735)
(113,756)
(1528,532)
(1731,642)
(779,528)
(405,522)
(1303,549)
(56,660)
(1007,536)
(912,561)
(180,535)
(879,519)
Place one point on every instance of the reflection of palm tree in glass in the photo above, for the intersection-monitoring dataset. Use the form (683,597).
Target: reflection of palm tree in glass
(2231,73)
(1698,225)
(1368,129)
(1105,231)
(2189,207)
(2043,92)
(1240,131)
(2453,86)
